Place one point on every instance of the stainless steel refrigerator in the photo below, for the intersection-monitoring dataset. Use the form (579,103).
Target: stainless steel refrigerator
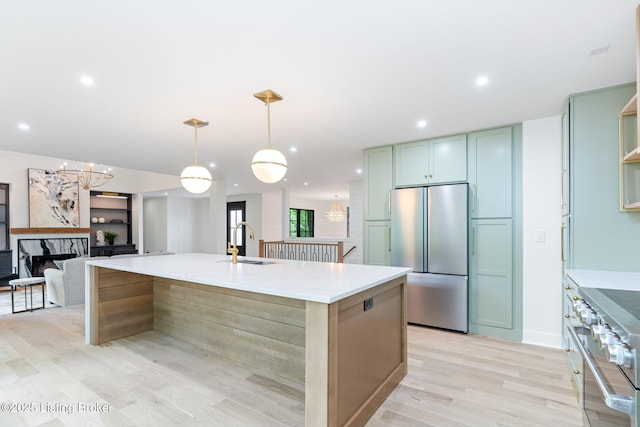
(429,233)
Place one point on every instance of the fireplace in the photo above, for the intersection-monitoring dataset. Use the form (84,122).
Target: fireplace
(40,262)
(34,255)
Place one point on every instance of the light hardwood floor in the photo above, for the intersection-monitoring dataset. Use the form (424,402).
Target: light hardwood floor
(153,379)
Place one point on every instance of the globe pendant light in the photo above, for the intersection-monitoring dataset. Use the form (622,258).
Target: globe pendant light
(269,165)
(196,179)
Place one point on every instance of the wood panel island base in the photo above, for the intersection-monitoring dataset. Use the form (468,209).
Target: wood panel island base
(339,329)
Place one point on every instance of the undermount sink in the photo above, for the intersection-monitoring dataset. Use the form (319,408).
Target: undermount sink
(249,261)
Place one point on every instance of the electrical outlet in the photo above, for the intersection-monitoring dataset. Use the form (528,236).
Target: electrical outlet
(368,303)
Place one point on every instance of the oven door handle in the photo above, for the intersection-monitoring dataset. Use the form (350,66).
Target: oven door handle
(624,404)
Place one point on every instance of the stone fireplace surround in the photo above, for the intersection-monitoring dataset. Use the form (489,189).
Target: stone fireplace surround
(42,252)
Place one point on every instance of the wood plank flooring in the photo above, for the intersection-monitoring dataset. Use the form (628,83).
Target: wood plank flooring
(154,379)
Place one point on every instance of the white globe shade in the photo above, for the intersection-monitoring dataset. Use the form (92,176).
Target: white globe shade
(196,179)
(269,165)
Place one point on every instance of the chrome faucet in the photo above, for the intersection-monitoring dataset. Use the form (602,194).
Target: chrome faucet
(234,250)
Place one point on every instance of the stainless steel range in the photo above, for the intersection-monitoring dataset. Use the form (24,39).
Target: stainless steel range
(609,342)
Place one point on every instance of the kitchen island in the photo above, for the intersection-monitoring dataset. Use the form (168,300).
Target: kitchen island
(339,329)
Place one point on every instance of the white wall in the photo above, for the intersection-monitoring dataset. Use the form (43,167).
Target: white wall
(181,224)
(323,228)
(542,269)
(356,222)
(272,216)
(155,224)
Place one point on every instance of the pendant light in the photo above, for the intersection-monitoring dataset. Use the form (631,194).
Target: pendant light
(336,212)
(269,165)
(196,179)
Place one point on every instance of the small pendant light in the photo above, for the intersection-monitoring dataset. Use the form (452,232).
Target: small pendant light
(196,179)
(269,165)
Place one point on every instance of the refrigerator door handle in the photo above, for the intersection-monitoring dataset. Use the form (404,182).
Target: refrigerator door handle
(389,241)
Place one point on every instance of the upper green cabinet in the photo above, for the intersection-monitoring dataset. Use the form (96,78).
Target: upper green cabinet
(378,181)
(434,161)
(490,173)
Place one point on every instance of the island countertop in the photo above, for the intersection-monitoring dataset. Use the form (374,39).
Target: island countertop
(304,280)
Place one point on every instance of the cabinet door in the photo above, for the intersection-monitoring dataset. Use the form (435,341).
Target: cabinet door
(377,249)
(411,163)
(448,159)
(565,243)
(564,201)
(490,175)
(377,182)
(491,273)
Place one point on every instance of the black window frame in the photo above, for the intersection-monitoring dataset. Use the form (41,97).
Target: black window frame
(295,224)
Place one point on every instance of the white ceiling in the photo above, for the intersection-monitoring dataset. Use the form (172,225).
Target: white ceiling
(353,74)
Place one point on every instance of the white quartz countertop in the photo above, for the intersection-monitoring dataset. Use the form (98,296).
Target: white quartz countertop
(304,280)
(626,281)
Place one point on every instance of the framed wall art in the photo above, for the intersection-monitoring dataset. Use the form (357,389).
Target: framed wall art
(53,201)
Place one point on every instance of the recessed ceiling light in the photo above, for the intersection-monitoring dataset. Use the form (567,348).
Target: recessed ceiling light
(358,171)
(23,126)
(482,81)
(212,165)
(235,185)
(306,183)
(422,123)
(293,149)
(86,80)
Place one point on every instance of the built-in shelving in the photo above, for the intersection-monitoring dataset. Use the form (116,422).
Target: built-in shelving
(111,211)
(629,157)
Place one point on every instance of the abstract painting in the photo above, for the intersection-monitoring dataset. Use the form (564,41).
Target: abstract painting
(53,201)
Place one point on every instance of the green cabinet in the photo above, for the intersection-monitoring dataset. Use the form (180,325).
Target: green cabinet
(565,191)
(434,161)
(377,240)
(491,273)
(490,173)
(378,182)
(495,262)
(602,237)
(378,165)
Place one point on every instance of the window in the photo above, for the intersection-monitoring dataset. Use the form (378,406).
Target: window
(300,223)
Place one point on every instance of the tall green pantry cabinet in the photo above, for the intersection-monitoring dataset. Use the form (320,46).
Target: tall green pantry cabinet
(378,182)
(495,301)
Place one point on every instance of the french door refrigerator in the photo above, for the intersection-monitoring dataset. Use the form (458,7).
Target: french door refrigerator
(429,233)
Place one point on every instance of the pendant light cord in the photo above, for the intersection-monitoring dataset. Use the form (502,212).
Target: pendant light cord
(195,156)
(269,120)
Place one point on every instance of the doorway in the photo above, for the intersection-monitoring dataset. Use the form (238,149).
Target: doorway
(236,212)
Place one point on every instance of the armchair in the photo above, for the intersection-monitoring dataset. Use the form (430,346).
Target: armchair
(66,286)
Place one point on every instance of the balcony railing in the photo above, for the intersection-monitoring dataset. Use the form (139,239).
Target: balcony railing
(304,251)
